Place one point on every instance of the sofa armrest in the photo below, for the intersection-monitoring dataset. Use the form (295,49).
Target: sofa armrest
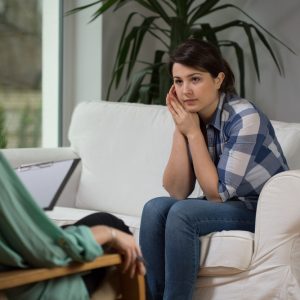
(19,156)
(129,288)
(278,212)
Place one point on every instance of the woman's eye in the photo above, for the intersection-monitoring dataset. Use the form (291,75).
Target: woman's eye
(196,79)
(177,81)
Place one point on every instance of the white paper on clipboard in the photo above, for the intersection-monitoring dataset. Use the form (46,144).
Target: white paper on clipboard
(45,181)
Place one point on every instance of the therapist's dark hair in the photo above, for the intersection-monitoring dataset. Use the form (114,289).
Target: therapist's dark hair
(206,57)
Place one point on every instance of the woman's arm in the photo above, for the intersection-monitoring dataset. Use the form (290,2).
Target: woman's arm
(188,124)
(205,169)
(124,243)
(179,178)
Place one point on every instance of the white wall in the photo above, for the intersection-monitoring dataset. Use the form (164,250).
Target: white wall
(278,97)
(82,60)
(113,23)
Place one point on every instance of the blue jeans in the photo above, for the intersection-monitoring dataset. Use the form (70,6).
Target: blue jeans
(169,238)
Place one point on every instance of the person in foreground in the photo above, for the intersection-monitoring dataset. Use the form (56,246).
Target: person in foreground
(223,142)
(28,238)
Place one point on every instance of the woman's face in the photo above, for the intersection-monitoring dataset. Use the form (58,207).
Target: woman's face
(197,90)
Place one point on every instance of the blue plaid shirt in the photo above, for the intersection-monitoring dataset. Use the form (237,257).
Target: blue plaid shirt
(242,143)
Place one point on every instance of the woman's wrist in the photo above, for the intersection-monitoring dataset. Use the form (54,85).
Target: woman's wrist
(103,234)
(196,134)
(113,234)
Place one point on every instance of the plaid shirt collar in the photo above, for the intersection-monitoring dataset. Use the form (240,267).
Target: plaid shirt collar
(216,120)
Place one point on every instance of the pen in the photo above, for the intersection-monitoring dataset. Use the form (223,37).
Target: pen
(26,167)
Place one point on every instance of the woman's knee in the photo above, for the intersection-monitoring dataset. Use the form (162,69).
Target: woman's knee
(159,205)
(178,212)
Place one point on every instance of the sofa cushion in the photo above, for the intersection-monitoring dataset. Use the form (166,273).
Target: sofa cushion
(226,252)
(220,251)
(124,148)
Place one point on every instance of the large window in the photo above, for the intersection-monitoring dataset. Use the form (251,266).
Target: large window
(29,58)
(20,73)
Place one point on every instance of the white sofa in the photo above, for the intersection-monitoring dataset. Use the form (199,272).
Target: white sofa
(124,148)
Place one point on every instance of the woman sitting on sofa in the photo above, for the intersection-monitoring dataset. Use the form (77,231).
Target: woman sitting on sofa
(28,238)
(223,142)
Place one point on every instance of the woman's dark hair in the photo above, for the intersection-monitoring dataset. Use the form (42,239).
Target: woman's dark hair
(206,57)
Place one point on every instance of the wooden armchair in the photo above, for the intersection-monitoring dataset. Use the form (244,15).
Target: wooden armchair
(127,288)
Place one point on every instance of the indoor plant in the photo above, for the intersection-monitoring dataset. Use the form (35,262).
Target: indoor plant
(171,22)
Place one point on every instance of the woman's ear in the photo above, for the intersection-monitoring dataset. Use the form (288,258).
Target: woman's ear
(219,80)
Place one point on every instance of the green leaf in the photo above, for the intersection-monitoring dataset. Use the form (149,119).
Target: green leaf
(146,5)
(197,33)
(177,20)
(253,20)
(247,28)
(108,4)
(121,4)
(253,49)
(154,6)
(171,7)
(179,32)
(155,75)
(241,62)
(144,94)
(157,8)
(209,33)
(80,8)
(251,40)
(202,10)
(165,82)
(132,92)
(138,34)
(123,50)
(182,8)
(266,44)
(103,8)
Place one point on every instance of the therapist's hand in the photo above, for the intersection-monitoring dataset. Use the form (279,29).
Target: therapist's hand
(125,244)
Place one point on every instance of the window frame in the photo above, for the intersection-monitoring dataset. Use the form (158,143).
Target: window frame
(52,50)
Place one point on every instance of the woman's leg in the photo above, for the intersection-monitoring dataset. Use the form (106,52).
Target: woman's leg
(187,220)
(152,241)
(95,277)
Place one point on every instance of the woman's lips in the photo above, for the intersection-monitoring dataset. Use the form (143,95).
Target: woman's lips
(189,101)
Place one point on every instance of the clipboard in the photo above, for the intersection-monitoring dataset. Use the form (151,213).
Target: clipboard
(45,181)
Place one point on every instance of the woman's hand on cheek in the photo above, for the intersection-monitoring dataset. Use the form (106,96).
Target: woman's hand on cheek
(173,103)
(171,96)
(186,122)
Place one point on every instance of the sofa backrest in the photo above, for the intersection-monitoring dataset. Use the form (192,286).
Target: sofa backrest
(288,135)
(124,148)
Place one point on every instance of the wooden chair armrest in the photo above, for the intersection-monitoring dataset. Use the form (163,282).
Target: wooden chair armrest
(131,288)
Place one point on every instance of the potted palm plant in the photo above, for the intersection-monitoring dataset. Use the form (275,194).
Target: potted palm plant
(171,22)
